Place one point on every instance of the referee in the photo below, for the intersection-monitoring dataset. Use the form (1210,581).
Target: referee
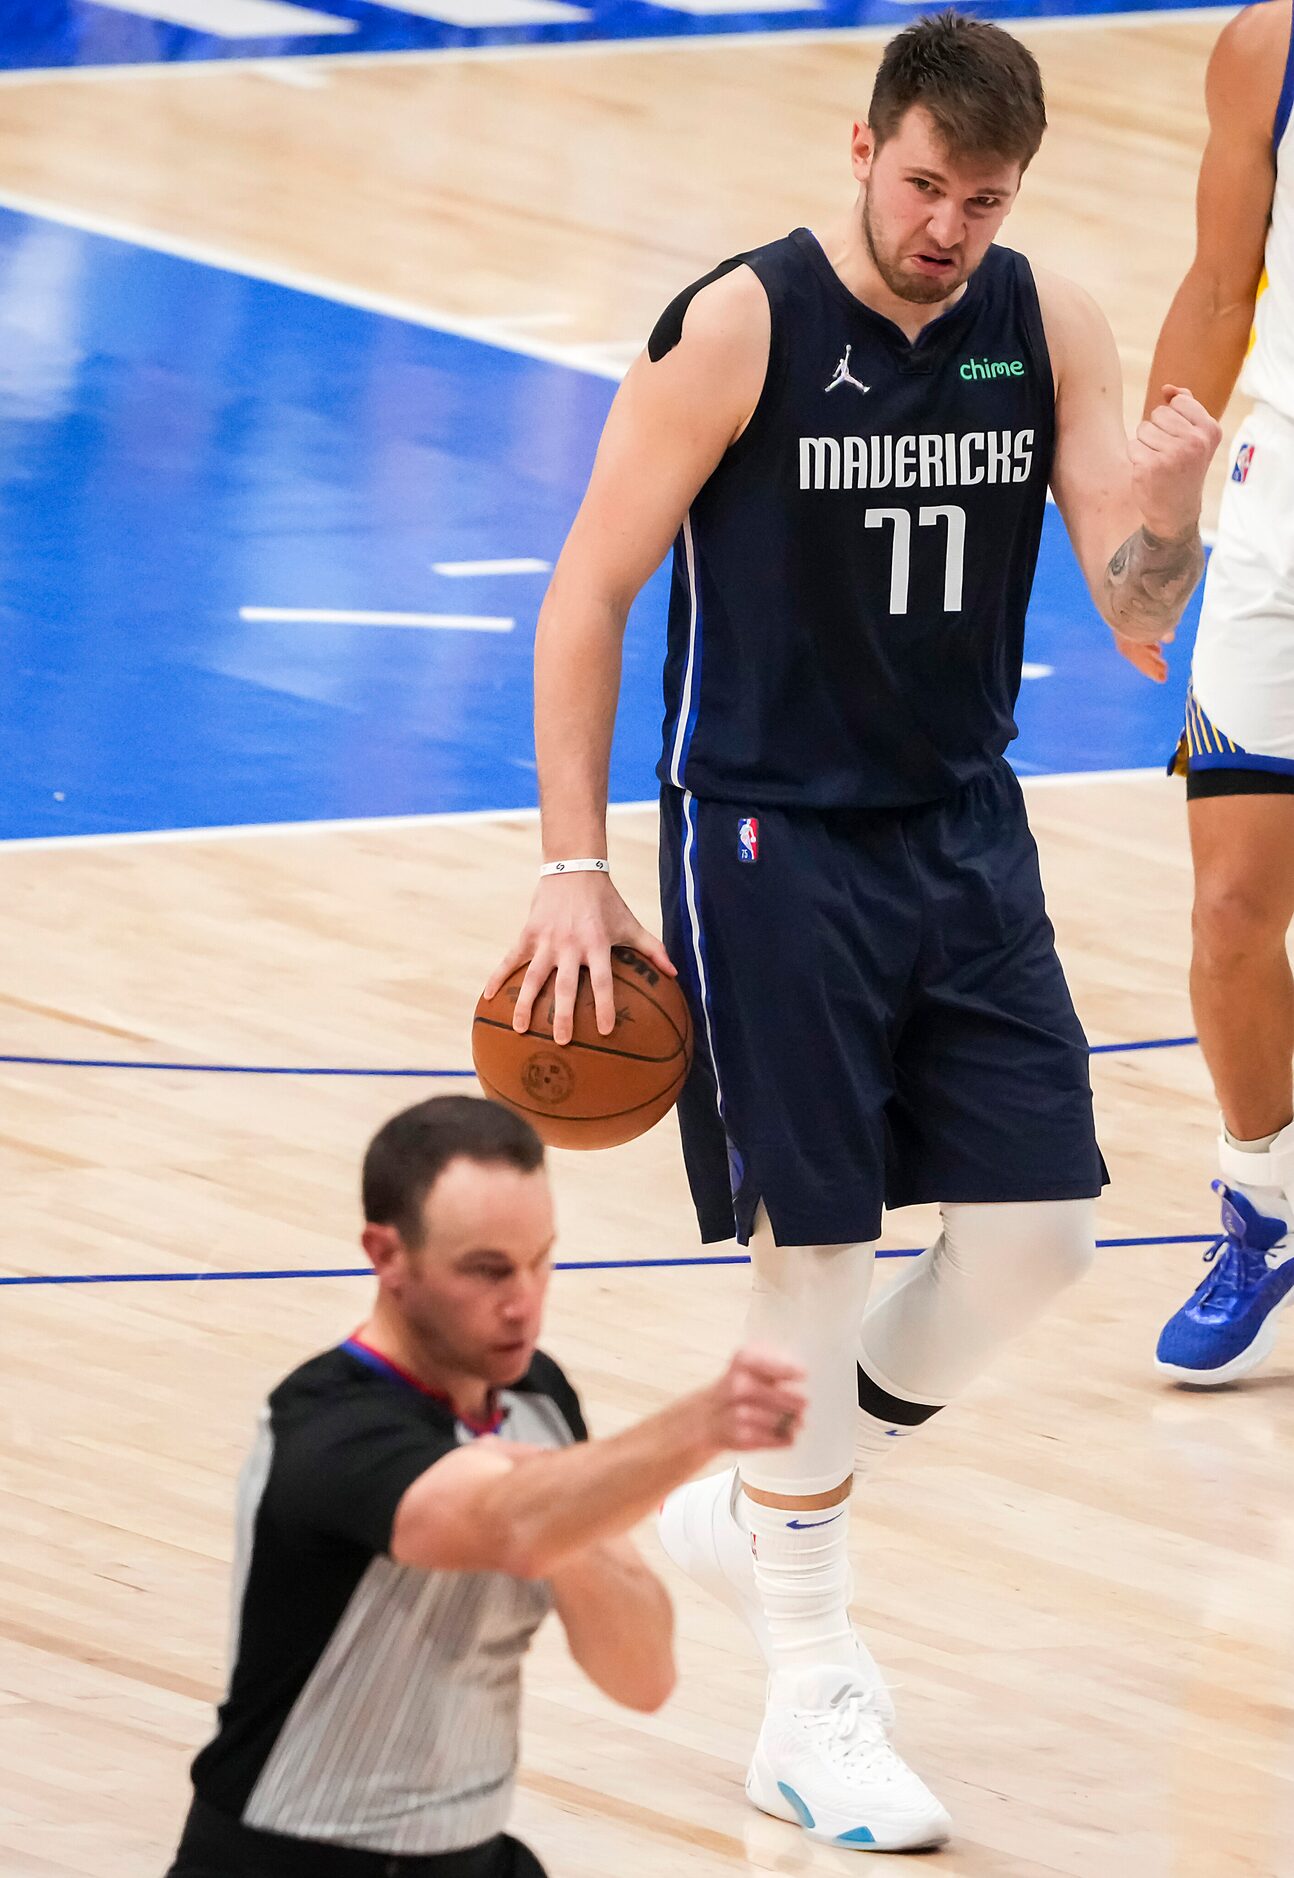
(392,1564)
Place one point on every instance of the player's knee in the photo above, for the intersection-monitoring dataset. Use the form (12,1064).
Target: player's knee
(1234,920)
(1025,1253)
(1067,1241)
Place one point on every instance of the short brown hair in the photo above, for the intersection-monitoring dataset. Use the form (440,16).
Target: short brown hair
(408,1155)
(981,87)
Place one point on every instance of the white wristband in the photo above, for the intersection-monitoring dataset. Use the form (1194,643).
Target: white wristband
(575,867)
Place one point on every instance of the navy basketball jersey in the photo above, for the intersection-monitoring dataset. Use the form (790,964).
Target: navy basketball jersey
(846,620)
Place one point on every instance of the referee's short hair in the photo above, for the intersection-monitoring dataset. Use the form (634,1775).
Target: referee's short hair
(408,1154)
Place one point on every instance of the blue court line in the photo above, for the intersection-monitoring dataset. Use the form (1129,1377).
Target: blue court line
(293,1069)
(573,1265)
(1151,1043)
(221,1069)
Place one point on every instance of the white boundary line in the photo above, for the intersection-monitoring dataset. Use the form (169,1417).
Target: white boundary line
(450,818)
(666,42)
(342,616)
(1054,778)
(352,825)
(344,294)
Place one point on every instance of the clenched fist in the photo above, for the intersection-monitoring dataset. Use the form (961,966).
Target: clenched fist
(1170,456)
(758,1402)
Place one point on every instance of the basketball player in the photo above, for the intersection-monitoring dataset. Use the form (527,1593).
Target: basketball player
(849,437)
(1238,748)
(418,1499)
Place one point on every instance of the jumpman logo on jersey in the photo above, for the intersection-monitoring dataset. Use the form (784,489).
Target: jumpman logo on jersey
(844,376)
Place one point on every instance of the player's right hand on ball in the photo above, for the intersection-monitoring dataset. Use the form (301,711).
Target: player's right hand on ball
(575,919)
(758,1402)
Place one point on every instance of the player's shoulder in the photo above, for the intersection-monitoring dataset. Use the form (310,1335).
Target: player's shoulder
(1248,61)
(1078,332)
(726,309)
(1255,32)
(1064,298)
(546,1377)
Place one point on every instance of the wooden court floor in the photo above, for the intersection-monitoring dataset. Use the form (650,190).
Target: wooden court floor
(1079,1581)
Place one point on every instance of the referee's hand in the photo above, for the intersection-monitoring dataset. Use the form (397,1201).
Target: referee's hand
(758,1402)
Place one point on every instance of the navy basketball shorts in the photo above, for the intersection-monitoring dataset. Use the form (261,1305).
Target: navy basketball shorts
(880,1014)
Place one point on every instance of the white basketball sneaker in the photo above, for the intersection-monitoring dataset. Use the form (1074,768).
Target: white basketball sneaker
(701,1533)
(823,1761)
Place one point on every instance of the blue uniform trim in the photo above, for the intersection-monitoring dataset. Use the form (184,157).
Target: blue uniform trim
(394,1372)
(1243,759)
(1204,746)
(1285,103)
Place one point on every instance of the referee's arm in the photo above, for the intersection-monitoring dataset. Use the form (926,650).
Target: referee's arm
(619,1622)
(496,1506)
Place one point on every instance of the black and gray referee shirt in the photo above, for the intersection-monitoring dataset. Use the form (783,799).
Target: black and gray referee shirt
(371,1704)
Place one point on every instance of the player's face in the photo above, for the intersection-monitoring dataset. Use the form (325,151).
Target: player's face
(473,1291)
(929,216)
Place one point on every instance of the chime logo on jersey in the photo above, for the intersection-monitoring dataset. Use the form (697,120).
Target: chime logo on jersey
(748,838)
(1240,468)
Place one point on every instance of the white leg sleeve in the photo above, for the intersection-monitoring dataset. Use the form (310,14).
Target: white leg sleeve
(991,1271)
(806,1302)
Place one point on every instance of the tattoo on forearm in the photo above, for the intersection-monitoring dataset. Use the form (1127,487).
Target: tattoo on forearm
(1149,580)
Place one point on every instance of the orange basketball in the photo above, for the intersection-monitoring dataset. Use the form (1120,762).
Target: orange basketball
(593,1092)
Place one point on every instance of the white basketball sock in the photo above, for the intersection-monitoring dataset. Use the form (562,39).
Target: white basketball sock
(802,1576)
(806,1301)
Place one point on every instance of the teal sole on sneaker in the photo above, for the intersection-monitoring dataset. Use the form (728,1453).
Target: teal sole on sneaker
(860,1835)
(796,1805)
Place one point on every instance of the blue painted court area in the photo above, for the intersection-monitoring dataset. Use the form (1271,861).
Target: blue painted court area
(49,34)
(179,443)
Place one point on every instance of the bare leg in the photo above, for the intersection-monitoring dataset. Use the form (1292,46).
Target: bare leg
(1242,990)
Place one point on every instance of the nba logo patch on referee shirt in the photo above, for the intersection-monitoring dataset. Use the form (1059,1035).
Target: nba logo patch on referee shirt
(1240,468)
(748,838)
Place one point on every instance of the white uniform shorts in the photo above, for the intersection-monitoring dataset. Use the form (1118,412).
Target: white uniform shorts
(1240,708)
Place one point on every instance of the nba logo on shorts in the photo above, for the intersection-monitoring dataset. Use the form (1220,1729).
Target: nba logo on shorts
(1244,457)
(748,838)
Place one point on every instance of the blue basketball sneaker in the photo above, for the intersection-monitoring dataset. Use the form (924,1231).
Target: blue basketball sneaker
(1228,1326)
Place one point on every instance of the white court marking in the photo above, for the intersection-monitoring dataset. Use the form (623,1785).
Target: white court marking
(446,818)
(336,616)
(496,12)
(236,19)
(1148,18)
(462,570)
(1031,669)
(702,7)
(300,74)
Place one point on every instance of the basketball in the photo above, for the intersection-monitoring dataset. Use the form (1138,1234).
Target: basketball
(595,1091)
